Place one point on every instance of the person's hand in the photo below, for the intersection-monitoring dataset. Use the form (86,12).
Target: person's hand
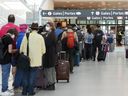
(13,71)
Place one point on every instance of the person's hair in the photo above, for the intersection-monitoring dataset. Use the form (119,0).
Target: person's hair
(40,29)
(89,30)
(87,26)
(34,26)
(12,31)
(70,27)
(11,18)
(58,25)
(97,25)
(52,34)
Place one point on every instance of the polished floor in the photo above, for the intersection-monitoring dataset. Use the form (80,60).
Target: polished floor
(109,78)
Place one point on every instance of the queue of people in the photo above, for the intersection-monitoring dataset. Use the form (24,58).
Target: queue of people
(40,48)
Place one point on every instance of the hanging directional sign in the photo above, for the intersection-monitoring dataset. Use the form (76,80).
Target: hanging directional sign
(88,14)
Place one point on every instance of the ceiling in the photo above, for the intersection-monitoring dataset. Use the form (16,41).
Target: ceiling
(94,4)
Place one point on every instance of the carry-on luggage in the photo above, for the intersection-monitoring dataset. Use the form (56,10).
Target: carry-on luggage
(62,67)
(126,53)
(41,80)
(102,54)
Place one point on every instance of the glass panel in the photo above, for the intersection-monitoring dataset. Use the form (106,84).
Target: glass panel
(126,21)
(72,21)
(120,21)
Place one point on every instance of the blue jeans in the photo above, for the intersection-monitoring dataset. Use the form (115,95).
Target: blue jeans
(5,76)
(29,81)
(18,80)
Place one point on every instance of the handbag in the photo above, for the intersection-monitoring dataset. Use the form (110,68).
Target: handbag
(23,61)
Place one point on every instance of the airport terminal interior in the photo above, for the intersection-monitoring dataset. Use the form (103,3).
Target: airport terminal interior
(91,77)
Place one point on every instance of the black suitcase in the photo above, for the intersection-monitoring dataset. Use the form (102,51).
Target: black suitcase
(126,53)
(101,56)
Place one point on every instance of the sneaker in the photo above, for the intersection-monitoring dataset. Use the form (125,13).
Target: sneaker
(7,93)
(18,90)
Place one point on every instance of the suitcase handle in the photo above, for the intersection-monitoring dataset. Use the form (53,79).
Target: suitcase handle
(62,54)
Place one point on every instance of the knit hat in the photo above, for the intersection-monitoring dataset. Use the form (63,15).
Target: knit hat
(23,27)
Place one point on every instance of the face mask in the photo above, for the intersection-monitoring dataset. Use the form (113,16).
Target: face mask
(13,36)
(47,28)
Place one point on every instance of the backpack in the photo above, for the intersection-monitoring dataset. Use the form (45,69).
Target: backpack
(70,40)
(2,53)
(98,36)
(1,49)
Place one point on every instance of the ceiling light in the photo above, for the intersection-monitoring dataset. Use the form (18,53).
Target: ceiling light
(72,5)
(67,1)
(119,3)
(64,6)
(90,2)
(81,4)
(103,3)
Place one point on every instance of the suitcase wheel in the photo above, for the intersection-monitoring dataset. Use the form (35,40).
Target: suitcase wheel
(68,81)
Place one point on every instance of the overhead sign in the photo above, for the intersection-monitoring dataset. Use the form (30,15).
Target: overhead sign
(87,14)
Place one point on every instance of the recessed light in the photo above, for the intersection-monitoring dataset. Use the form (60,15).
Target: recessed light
(90,2)
(119,3)
(72,5)
(81,4)
(68,1)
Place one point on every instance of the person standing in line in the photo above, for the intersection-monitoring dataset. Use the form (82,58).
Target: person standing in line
(19,72)
(70,38)
(97,41)
(36,50)
(50,55)
(88,43)
(3,31)
(9,25)
(7,41)
(58,30)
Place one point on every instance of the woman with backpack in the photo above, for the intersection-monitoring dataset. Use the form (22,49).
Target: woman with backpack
(69,39)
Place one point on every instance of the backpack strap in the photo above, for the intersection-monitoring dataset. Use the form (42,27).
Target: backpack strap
(27,35)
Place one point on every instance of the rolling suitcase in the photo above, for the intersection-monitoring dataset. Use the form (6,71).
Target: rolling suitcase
(101,56)
(62,68)
(102,53)
(126,53)
(41,80)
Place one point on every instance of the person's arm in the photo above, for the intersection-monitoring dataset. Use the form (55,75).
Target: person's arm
(23,47)
(63,35)
(76,37)
(43,47)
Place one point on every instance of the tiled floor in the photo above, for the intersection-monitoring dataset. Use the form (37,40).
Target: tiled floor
(109,78)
